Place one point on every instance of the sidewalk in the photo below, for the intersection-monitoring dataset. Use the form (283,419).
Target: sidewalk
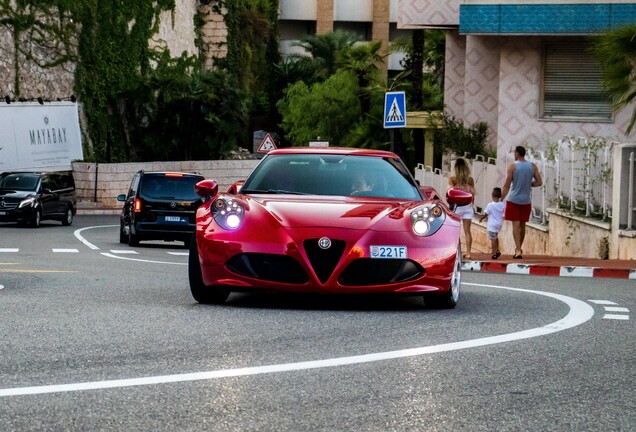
(552,266)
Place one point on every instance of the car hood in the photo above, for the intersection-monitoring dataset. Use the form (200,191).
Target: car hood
(15,195)
(341,212)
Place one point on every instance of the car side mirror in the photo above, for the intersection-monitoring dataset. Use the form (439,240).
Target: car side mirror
(236,187)
(121,197)
(456,196)
(206,188)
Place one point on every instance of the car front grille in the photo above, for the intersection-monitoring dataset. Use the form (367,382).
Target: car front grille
(269,267)
(368,271)
(9,204)
(324,261)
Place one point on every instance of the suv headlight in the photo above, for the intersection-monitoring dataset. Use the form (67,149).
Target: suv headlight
(427,219)
(27,202)
(228,213)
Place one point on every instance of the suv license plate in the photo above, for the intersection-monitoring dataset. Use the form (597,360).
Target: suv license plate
(172,218)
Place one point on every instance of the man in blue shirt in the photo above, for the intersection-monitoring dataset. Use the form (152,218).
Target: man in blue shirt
(521,177)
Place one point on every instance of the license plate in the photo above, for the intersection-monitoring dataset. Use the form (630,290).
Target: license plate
(2,213)
(389,252)
(172,218)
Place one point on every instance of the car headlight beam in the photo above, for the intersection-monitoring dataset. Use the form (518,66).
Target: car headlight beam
(427,219)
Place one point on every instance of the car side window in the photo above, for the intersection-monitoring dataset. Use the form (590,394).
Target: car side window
(134,185)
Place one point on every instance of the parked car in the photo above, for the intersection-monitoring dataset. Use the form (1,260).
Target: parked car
(31,197)
(159,206)
(327,220)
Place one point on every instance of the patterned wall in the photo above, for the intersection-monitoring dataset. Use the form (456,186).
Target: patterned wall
(498,80)
(441,13)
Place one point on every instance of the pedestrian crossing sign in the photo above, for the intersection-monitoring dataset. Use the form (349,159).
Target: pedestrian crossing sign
(267,144)
(394,110)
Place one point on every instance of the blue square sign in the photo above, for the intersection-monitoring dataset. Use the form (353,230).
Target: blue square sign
(394,110)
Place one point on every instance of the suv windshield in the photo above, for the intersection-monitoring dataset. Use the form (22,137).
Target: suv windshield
(19,181)
(169,186)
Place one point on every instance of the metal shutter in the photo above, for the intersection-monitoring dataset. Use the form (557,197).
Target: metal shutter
(573,83)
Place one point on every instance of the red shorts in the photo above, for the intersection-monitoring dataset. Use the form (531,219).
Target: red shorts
(517,212)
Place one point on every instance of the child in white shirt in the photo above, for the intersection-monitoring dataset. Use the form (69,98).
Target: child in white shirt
(494,213)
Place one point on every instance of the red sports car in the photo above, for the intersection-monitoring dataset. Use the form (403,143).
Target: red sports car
(327,220)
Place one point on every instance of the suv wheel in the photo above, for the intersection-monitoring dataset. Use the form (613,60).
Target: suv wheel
(36,219)
(123,237)
(133,239)
(68,217)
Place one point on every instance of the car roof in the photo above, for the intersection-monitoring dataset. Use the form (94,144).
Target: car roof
(345,151)
(175,173)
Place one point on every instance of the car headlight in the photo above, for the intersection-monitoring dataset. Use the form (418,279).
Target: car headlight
(228,213)
(427,219)
(27,202)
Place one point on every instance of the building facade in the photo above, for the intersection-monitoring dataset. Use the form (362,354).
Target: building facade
(524,66)
(371,20)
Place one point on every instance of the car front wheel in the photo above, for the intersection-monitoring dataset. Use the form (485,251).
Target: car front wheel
(36,219)
(201,292)
(450,299)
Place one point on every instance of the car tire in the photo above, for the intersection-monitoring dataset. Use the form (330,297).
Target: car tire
(36,219)
(450,299)
(201,292)
(133,239)
(68,217)
(123,237)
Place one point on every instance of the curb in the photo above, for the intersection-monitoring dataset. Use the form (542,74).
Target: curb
(549,270)
(98,211)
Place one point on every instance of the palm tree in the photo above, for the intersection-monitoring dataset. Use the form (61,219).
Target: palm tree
(323,50)
(362,60)
(616,51)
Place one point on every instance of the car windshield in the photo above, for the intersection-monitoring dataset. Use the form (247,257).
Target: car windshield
(332,174)
(169,186)
(19,181)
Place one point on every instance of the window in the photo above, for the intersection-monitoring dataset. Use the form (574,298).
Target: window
(573,84)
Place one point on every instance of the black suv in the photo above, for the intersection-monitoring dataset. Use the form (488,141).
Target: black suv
(159,206)
(31,197)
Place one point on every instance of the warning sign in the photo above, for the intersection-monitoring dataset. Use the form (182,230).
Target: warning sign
(268,144)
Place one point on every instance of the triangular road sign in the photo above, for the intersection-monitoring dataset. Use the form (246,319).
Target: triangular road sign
(268,144)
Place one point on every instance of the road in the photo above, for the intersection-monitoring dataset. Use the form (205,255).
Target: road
(98,336)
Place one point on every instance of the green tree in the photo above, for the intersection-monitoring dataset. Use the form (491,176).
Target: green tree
(321,110)
(616,51)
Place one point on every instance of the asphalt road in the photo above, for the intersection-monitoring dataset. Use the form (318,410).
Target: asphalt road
(98,336)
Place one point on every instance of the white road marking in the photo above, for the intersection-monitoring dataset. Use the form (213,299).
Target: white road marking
(616,317)
(142,260)
(1,287)
(65,250)
(125,252)
(579,313)
(11,250)
(179,253)
(90,245)
(602,302)
(615,309)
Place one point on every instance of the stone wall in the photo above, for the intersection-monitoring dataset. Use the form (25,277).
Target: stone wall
(176,32)
(99,184)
